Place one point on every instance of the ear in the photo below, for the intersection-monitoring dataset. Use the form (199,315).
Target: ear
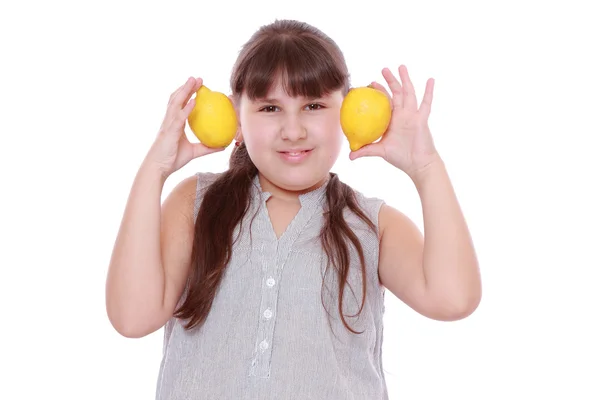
(236,103)
(238,135)
(236,106)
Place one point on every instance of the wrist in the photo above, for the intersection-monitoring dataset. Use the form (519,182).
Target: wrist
(153,170)
(423,173)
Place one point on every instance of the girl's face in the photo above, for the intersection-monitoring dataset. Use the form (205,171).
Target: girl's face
(293,141)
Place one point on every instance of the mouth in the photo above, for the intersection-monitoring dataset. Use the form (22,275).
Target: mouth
(296,155)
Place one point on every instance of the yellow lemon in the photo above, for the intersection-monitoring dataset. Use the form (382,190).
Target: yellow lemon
(213,119)
(364,116)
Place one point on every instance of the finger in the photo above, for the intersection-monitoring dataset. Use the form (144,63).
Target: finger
(187,109)
(172,110)
(425,108)
(175,120)
(381,88)
(395,87)
(181,98)
(369,150)
(177,123)
(179,89)
(184,95)
(410,99)
(200,150)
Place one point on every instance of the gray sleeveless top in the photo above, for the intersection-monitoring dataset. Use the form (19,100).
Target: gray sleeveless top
(271,332)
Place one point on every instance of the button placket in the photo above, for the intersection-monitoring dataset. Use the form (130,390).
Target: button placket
(261,363)
(274,257)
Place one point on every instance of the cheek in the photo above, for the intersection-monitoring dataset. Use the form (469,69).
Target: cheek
(255,130)
(331,132)
(337,142)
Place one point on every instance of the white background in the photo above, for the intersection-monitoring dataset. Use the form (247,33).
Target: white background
(515,116)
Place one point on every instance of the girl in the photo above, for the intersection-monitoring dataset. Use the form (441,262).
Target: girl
(269,278)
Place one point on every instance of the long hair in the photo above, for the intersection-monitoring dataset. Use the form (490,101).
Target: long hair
(310,64)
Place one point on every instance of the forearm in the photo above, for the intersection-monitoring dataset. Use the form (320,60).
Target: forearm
(135,282)
(450,263)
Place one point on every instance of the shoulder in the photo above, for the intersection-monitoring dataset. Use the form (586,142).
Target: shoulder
(203,181)
(187,194)
(370,205)
(384,216)
(394,222)
(190,186)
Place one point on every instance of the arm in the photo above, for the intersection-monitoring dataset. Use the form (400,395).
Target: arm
(151,255)
(438,274)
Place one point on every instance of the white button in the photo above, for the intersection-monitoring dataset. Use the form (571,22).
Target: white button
(270,282)
(268,313)
(264,345)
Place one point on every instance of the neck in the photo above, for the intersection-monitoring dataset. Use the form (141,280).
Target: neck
(287,194)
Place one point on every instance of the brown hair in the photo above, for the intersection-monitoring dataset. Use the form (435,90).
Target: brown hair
(310,64)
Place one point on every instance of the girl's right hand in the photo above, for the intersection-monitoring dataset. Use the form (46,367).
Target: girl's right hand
(172,150)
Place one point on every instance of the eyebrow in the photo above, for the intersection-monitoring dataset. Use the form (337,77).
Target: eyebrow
(264,100)
(273,100)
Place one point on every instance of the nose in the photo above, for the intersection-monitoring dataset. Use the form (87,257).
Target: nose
(292,128)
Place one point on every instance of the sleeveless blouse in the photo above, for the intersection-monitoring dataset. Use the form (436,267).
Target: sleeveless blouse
(272,332)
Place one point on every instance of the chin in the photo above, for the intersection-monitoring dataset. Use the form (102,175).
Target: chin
(296,180)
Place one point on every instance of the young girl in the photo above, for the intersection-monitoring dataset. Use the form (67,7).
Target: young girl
(269,278)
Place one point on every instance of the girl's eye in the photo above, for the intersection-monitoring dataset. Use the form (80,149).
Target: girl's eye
(314,106)
(310,107)
(269,108)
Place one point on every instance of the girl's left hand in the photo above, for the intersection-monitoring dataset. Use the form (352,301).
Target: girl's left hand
(407,144)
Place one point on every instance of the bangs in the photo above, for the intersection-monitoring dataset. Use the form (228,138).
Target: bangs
(307,66)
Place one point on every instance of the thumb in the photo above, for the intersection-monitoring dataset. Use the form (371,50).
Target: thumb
(369,150)
(200,150)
